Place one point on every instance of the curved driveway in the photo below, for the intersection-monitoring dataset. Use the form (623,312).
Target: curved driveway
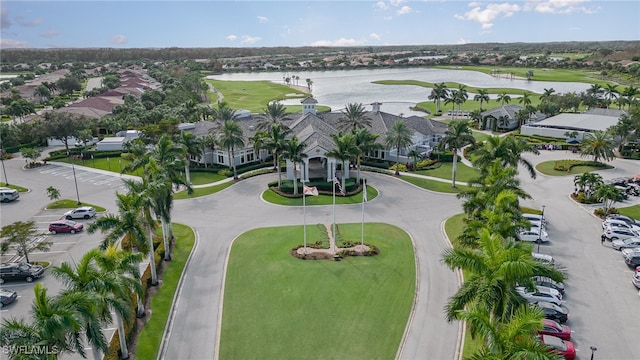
(219,219)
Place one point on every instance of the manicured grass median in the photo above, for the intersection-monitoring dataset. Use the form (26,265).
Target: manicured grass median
(547,168)
(253,95)
(435,185)
(72,204)
(197,192)
(280,307)
(464,173)
(274,198)
(148,343)
(631,211)
(11,186)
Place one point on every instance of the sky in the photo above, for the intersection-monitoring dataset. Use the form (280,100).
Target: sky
(267,23)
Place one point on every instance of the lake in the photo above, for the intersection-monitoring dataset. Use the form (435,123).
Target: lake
(336,88)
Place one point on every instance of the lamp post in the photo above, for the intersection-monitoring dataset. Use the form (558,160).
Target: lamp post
(540,229)
(6,181)
(593,350)
(75,180)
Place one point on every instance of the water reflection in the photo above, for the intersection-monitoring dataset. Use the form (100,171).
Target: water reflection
(338,87)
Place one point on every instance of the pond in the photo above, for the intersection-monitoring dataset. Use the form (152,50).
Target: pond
(336,88)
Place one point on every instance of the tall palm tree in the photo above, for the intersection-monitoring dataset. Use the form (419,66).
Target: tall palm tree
(191,146)
(494,269)
(452,98)
(504,98)
(508,150)
(598,144)
(595,90)
(630,93)
(398,137)
(354,118)
(482,95)
(294,152)
(57,324)
(610,93)
(275,112)
(608,195)
(461,95)
(344,151)
(439,92)
(365,142)
(547,94)
(457,136)
(525,99)
(230,137)
(274,142)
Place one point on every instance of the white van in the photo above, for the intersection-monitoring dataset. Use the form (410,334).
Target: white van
(543,258)
(7,194)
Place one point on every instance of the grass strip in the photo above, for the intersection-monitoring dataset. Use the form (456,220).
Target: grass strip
(71,204)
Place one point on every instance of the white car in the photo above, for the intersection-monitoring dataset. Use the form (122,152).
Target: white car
(548,259)
(534,235)
(626,243)
(535,218)
(615,223)
(616,233)
(542,293)
(85,212)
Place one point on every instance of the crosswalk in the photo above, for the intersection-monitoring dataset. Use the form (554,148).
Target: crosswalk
(110,180)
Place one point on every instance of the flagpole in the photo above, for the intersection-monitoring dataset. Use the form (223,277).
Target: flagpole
(364,199)
(333,185)
(304,217)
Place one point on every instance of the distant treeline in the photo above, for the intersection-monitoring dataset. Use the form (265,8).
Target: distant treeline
(101,55)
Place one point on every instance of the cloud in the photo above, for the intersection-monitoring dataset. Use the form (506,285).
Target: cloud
(118,40)
(50,34)
(339,42)
(8,43)
(231,38)
(374,36)
(29,23)
(404,10)
(491,12)
(5,23)
(462,41)
(381,5)
(559,6)
(396,2)
(246,39)
(263,19)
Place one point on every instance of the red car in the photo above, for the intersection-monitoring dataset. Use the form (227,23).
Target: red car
(559,346)
(65,226)
(554,328)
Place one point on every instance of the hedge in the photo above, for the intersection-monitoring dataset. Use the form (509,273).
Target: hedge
(323,186)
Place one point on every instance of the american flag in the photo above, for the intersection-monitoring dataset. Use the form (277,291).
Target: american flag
(337,182)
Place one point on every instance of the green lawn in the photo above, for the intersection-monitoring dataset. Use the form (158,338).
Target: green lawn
(435,185)
(201,178)
(108,164)
(148,343)
(71,204)
(16,187)
(202,191)
(463,172)
(253,95)
(280,307)
(547,169)
(631,211)
(274,198)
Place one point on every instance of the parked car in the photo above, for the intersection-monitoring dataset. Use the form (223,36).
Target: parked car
(626,243)
(554,328)
(631,256)
(635,280)
(535,217)
(549,282)
(7,297)
(88,142)
(624,218)
(618,233)
(615,223)
(540,294)
(84,212)
(559,346)
(20,271)
(534,235)
(7,194)
(65,226)
(554,312)
(548,259)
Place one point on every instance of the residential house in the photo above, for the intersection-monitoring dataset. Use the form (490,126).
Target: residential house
(503,118)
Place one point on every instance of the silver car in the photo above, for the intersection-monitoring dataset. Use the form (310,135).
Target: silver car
(85,212)
(542,293)
(629,243)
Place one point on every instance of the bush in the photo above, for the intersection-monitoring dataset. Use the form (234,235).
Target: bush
(225,172)
(566,165)
(401,167)
(427,164)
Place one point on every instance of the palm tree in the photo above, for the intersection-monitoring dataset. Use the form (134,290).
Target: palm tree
(274,142)
(508,150)
(611,93)
(482,95)
(345,150)
(451,98)
(547,94)
(595,90)
(399,137)
(207,141)
(354,118)
(439,92)
(230,137)
(608,194)
(525,99)
(294,152)
(365,142)
(504,98)
(309,83)
(191,146)
(494,269)
(630,93)
(457,136)
(598,144)
(57,323)
(275,112)
(461,95)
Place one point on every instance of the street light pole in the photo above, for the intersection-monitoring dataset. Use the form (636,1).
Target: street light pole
(593,350)
(75,180)
(540,229)
(6,181)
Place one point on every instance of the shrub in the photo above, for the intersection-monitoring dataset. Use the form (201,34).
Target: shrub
(225,172)
(427,164)
(566,165)
(401,167)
